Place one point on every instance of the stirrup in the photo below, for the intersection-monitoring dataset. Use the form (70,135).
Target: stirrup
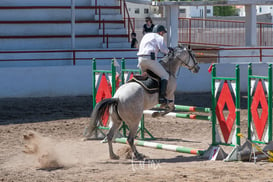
(163,100)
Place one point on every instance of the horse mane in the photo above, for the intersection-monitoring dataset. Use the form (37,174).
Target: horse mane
(167,59)
(170,56)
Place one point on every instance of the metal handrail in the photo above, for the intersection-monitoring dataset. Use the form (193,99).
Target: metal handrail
(130,25)
(126,16)
(226,32)
(201,53)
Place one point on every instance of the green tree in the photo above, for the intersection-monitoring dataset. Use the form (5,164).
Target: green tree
(224,11)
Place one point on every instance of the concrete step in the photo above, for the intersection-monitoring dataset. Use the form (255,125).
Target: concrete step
(114,25)
(10,3)
(45,14)
(51,14)
(35,29)
(106,55)
(113,31)
(61,43)
(117,39)
(105,2)
(109,17)
(117,45)
(15,29)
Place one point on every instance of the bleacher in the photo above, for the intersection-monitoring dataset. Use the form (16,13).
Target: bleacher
(31,30)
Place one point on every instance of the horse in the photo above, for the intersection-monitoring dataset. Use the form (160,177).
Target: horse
(131,99)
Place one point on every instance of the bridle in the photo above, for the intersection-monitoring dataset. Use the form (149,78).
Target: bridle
(183,63)
(186,64)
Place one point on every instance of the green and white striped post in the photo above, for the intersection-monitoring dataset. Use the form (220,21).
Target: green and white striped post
(95,72)
(94,83)
(237,105)
(214,103)
(267,79)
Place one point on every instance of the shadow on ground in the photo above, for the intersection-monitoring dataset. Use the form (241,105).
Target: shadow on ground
(28,110)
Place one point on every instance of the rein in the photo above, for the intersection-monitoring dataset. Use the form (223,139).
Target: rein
(187,64)
(170,58)
(192,57)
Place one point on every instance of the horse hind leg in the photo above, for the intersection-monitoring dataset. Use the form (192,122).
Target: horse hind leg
(130,140)
(116,123)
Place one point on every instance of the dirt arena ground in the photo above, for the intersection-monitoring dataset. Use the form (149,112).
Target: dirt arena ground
(59,123)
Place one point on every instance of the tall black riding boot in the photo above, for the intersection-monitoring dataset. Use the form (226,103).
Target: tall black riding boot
(162,92)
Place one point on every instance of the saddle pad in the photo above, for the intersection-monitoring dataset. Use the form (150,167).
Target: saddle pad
(149,84)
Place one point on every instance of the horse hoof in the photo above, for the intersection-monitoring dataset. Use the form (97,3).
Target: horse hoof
(140,157)
(163,106)
(86,139)
(155,114)
(114,157)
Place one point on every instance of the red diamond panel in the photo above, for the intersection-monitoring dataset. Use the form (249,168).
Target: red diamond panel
(131,76)
(259,97)
(104,91)
(225,98)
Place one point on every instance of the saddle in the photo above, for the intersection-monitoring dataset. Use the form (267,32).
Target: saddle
(150,83)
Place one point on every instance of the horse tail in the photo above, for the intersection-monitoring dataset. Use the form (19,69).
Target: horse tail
(98,113)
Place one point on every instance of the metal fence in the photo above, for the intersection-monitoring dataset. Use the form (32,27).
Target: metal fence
(221,32)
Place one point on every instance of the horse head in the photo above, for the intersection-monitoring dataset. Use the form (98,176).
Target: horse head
(186,57)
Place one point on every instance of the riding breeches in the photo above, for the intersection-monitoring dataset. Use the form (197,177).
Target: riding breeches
(147,64)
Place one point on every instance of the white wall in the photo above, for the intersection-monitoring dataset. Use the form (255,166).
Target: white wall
(45,81)
(260,9)
(54,81)
(240,55)
(132,8)
(198,11)
(264,9)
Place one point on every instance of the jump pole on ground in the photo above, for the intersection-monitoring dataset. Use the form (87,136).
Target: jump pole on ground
(180,115)
(189,108)
(168,147)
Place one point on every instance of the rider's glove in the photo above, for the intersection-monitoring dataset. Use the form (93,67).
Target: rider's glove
(170,49)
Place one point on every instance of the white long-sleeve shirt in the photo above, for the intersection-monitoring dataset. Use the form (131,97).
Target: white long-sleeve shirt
(152,42)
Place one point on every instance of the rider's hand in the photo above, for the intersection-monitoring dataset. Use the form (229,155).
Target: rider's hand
(170,49)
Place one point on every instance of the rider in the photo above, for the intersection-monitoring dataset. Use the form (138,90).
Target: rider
(150,45)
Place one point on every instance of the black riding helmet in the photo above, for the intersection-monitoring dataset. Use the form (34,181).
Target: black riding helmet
(159,28)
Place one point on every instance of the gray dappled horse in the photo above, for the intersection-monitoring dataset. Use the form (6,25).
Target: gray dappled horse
(131,99)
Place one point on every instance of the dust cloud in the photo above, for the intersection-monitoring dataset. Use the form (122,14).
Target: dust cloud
(50,154)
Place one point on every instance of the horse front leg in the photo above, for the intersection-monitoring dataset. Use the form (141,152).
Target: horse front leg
(167,108)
